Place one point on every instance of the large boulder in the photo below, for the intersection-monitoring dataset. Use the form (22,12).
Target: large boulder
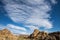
(38,35)
(35,33)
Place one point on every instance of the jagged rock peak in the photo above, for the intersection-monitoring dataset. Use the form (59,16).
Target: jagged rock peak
(38,34)
(36,31)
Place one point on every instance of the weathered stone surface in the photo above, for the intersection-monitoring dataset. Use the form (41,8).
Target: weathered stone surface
(56,35)
(50,38)
(5,34)
(35,33)
(38,35)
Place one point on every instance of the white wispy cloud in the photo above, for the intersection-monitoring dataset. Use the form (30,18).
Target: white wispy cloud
(16,27)
(54,1)
(17,32)
(31,27)
(33,13)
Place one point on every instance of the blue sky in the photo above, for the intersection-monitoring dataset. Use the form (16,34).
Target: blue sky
(22,17)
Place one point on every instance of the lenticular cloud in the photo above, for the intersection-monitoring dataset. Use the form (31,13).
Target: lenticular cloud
(29,12)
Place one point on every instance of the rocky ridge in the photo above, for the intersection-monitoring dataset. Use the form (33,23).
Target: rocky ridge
(37,35)
(5,34)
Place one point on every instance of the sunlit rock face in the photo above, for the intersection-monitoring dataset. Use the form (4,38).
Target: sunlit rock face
(34,34)
(37,34)
(5,34)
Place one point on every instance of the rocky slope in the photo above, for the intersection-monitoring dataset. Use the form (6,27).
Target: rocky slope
(5,34)
(56,35)
(37,35)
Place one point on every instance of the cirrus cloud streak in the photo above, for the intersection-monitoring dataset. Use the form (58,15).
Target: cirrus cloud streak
(33,13)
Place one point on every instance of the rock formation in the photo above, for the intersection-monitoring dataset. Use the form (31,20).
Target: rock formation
(37,35)
(56,35)
(5,34)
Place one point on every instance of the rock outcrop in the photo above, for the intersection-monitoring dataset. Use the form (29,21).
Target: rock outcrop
(5,34)
(56,35)
(37,35)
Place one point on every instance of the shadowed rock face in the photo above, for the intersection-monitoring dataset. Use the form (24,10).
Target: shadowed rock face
(56,35)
